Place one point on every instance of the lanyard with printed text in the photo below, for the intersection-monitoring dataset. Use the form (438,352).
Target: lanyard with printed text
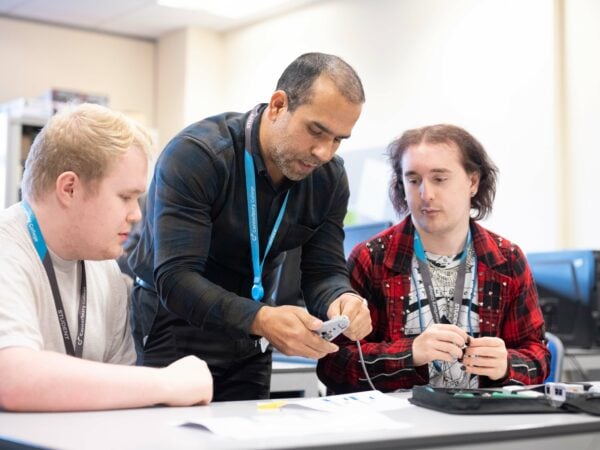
(257,266)
(42,251)
(426,275)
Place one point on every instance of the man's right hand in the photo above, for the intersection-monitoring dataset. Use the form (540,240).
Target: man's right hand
(291,330)
(440,342)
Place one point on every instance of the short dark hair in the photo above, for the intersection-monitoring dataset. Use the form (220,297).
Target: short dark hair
(473,155)
(298,78)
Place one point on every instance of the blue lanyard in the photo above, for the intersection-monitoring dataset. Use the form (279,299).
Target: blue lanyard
(424,268)
(257,266)
(42,250)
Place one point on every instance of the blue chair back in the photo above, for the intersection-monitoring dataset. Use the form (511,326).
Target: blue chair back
(557,352)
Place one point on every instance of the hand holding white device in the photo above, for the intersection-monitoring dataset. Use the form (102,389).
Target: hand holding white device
(333,327)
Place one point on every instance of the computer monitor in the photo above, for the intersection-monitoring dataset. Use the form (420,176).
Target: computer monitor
(355,234)
(567,284)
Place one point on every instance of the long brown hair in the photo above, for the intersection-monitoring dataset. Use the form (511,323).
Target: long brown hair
(474,159)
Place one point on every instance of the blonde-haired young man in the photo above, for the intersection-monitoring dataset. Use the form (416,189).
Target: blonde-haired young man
(63,303)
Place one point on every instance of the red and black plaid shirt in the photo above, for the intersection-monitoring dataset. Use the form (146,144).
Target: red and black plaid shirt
(380,271)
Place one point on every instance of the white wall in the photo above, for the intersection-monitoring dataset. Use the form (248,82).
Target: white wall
(171,90)
(190,79)
(582,112)
(36,57)
(483,65)
(205,75)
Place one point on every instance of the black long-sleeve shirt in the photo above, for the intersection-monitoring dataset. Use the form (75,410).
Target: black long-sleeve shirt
(195,242)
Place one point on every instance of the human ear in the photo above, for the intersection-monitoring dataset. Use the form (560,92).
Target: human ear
(474,183)
(277,104)
(66,185)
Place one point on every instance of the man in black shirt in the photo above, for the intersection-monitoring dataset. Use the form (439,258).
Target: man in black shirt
(230,195)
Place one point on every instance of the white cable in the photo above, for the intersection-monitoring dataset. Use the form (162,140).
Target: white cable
(362,363)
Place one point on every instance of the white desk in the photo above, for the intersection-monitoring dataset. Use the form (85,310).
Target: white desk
(153,428)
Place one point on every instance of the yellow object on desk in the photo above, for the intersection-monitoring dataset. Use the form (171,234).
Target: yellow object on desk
(276,404)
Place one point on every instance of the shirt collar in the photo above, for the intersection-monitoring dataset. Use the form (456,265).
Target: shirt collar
(401,243)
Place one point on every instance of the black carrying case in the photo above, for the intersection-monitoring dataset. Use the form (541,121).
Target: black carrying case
(496,401)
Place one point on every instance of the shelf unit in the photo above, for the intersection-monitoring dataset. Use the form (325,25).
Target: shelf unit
(16,136)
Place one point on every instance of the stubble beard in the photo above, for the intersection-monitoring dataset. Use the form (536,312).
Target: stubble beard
(284,163)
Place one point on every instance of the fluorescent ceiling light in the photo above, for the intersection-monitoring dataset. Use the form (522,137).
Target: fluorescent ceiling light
(233,9)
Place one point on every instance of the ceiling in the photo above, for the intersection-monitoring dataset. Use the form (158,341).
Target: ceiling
(138,18)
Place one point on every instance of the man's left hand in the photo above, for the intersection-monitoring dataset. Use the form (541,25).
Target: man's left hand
(355,308)
(486,356)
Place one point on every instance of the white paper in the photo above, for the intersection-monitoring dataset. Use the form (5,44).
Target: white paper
(369,400)
(351,413)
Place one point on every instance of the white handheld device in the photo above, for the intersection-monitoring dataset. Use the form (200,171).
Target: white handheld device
(333,327)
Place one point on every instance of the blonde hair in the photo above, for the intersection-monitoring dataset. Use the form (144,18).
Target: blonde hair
(86,139)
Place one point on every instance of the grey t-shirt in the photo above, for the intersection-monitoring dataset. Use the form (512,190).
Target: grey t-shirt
(28,316)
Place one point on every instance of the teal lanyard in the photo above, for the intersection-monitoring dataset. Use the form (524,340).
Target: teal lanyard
(42,250)
(257,266)
(429,289)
